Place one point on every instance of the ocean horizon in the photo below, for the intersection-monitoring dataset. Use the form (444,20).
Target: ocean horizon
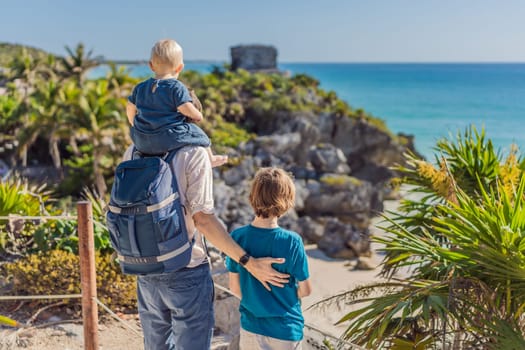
(427,100)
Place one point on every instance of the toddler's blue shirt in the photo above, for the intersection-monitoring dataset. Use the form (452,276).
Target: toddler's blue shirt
(157,101)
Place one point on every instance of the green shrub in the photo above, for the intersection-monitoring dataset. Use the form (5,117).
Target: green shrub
(79,172)
(63,235)
(305,80)
(56,234)
(58,272)
(18,197)
(9,51)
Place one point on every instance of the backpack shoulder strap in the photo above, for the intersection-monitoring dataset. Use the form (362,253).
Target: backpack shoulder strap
(135,153)
(168,157)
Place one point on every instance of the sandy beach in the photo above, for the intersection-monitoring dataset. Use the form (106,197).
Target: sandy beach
(334,276)
(331,277)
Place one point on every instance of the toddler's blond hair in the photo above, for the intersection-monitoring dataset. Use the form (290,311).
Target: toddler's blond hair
(167,53)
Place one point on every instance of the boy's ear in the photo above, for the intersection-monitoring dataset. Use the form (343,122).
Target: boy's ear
(150,63)
(179,68)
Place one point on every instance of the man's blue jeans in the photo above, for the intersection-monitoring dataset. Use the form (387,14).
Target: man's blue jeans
(176,309)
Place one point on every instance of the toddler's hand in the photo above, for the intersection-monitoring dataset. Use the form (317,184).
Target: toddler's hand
(218,160)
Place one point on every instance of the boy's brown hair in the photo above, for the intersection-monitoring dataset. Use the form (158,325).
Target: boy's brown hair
(272,193)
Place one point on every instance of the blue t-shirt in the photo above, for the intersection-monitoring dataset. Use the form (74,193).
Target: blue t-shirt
(157,101)
(276,314)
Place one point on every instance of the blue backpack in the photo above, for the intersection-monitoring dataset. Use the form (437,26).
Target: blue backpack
(145,217)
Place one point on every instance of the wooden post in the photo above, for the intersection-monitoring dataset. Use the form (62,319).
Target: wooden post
(88,282)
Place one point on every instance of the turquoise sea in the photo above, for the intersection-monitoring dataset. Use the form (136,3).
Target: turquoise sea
(429,101)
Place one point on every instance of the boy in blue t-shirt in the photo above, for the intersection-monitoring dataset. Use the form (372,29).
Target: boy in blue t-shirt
(161,110)
(270,319)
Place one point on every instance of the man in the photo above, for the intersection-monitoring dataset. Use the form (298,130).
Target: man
(176,309)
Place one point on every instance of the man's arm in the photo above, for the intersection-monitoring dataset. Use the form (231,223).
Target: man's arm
(190,111)
(260,268)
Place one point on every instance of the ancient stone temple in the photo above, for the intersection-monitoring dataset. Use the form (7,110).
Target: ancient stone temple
(254,57)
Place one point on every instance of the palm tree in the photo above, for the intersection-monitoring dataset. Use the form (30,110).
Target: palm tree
(100,120)
(77,63)
(461,242)
(49,112)
(26,68)
(9,104)
(120,81)
(18,197)
(24,71)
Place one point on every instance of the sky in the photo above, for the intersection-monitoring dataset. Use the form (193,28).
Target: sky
(301,30)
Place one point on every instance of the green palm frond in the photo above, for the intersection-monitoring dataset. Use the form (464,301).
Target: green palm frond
(491,235)
(470,157)
(460,242)
(392,309)
(505,335)
(19,197)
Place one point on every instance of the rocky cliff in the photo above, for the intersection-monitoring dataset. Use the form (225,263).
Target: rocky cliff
(341,170)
